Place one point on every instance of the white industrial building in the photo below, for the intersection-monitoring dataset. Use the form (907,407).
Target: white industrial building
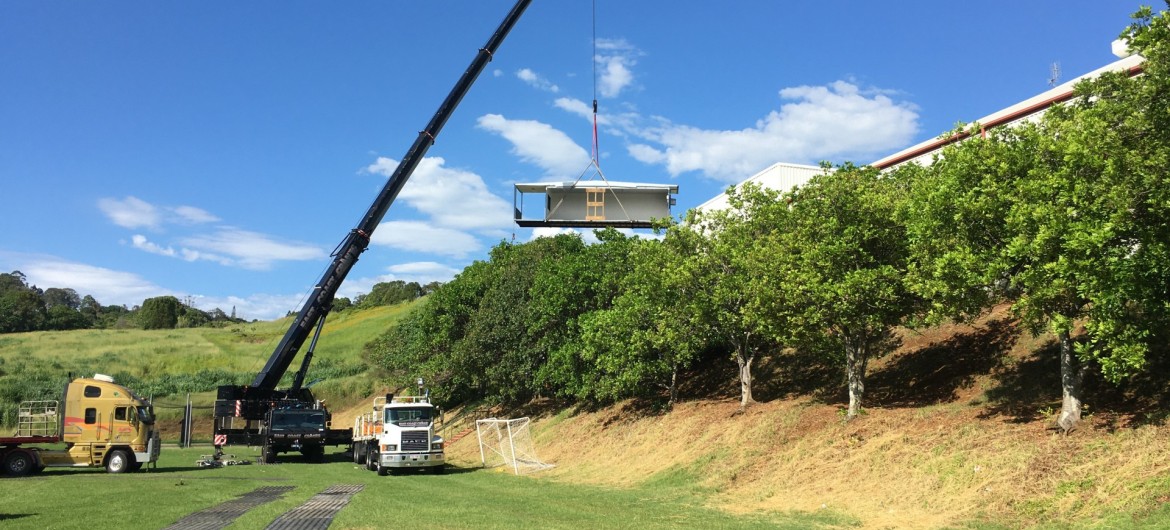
(784,176)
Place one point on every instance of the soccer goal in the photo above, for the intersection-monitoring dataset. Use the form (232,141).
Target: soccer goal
(508,443)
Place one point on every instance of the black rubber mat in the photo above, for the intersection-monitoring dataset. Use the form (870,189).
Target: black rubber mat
(224,513)
(317,513)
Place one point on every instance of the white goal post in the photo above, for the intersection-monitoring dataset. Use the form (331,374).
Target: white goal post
(508,443)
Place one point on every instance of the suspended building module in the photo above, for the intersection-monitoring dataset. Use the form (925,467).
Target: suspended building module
(595,204)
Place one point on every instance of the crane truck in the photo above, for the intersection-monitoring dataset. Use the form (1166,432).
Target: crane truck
(100,423)
(292,419)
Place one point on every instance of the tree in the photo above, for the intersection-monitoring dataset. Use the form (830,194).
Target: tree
(91,309)
(1066,216)
(161,312)
(55,296)
(718,260)
(839,268)
(21,305)
(653,328)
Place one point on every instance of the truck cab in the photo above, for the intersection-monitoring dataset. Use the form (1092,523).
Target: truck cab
(296,429)
(401,432)
(100,423)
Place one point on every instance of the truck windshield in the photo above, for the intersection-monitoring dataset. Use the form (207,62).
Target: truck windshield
(146,413)
(409,417)
(298,420)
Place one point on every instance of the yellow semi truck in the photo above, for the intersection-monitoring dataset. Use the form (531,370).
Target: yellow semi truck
(98,422)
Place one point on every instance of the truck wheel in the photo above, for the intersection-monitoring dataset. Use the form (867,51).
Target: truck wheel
(119,461)
(382,471)
(371,460)
(19,463)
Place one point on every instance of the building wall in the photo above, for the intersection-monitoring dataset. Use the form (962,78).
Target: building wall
(639,205)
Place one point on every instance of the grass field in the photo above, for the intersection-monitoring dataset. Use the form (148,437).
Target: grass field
(465,497)
(168,364)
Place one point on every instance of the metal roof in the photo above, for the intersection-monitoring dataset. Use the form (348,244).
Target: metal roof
(540,187)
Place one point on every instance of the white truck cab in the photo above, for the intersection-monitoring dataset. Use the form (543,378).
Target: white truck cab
(400,432)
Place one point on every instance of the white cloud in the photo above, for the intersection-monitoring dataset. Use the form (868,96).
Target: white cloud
(821,122)
(114,287)
(615,58)
(140,242)
(250,250)
(417,236)
(107,286)
(257,306)
(536,80)
(540,144)
(193,215)
(131,212)
(423,271)
(452,198)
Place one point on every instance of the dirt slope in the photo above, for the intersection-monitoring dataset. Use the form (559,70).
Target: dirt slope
(956,429)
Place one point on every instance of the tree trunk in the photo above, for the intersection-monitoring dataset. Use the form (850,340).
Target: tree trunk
(745,378)
(1072,373)
(856,357)
(673,385)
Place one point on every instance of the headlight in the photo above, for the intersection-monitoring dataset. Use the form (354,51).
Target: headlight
(437,446)
(390,447)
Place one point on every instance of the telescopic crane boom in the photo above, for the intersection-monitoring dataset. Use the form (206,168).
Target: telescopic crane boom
(252,402)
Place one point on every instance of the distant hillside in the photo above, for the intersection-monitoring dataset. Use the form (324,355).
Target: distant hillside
(168,364)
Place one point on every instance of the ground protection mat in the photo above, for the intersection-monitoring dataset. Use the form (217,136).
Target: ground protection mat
(317,513)
(224,513)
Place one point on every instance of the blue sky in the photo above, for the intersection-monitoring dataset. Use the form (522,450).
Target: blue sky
(221,150)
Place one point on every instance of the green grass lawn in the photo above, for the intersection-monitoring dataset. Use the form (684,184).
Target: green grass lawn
(463,498)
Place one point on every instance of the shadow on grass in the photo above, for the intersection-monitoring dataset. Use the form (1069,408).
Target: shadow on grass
(936,372)
(1026,387)
(1030,390)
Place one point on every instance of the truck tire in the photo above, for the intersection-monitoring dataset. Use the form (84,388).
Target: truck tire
(382,471)
(19,463)
(119,461)
(371,460)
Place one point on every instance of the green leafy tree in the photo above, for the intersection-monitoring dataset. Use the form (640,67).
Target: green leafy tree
(719,268)
(161,312)
(55,296)
(652,330)
(839,268)
(21,306)
(1067,216)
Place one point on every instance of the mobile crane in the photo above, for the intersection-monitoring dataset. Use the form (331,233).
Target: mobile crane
(292,419)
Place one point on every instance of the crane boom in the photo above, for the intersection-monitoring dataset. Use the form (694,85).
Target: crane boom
(292,419)
(321,301)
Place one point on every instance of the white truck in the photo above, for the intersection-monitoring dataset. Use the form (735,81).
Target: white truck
(400,432)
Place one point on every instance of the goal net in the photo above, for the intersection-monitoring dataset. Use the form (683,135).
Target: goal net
(508,443)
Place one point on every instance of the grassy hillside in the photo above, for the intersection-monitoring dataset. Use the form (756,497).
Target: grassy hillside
(170,363)
(956,435)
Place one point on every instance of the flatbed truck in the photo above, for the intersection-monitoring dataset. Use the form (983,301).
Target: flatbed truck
(96,423)
(400,432)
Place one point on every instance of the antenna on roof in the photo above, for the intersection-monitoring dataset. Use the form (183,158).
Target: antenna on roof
(1054,74)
